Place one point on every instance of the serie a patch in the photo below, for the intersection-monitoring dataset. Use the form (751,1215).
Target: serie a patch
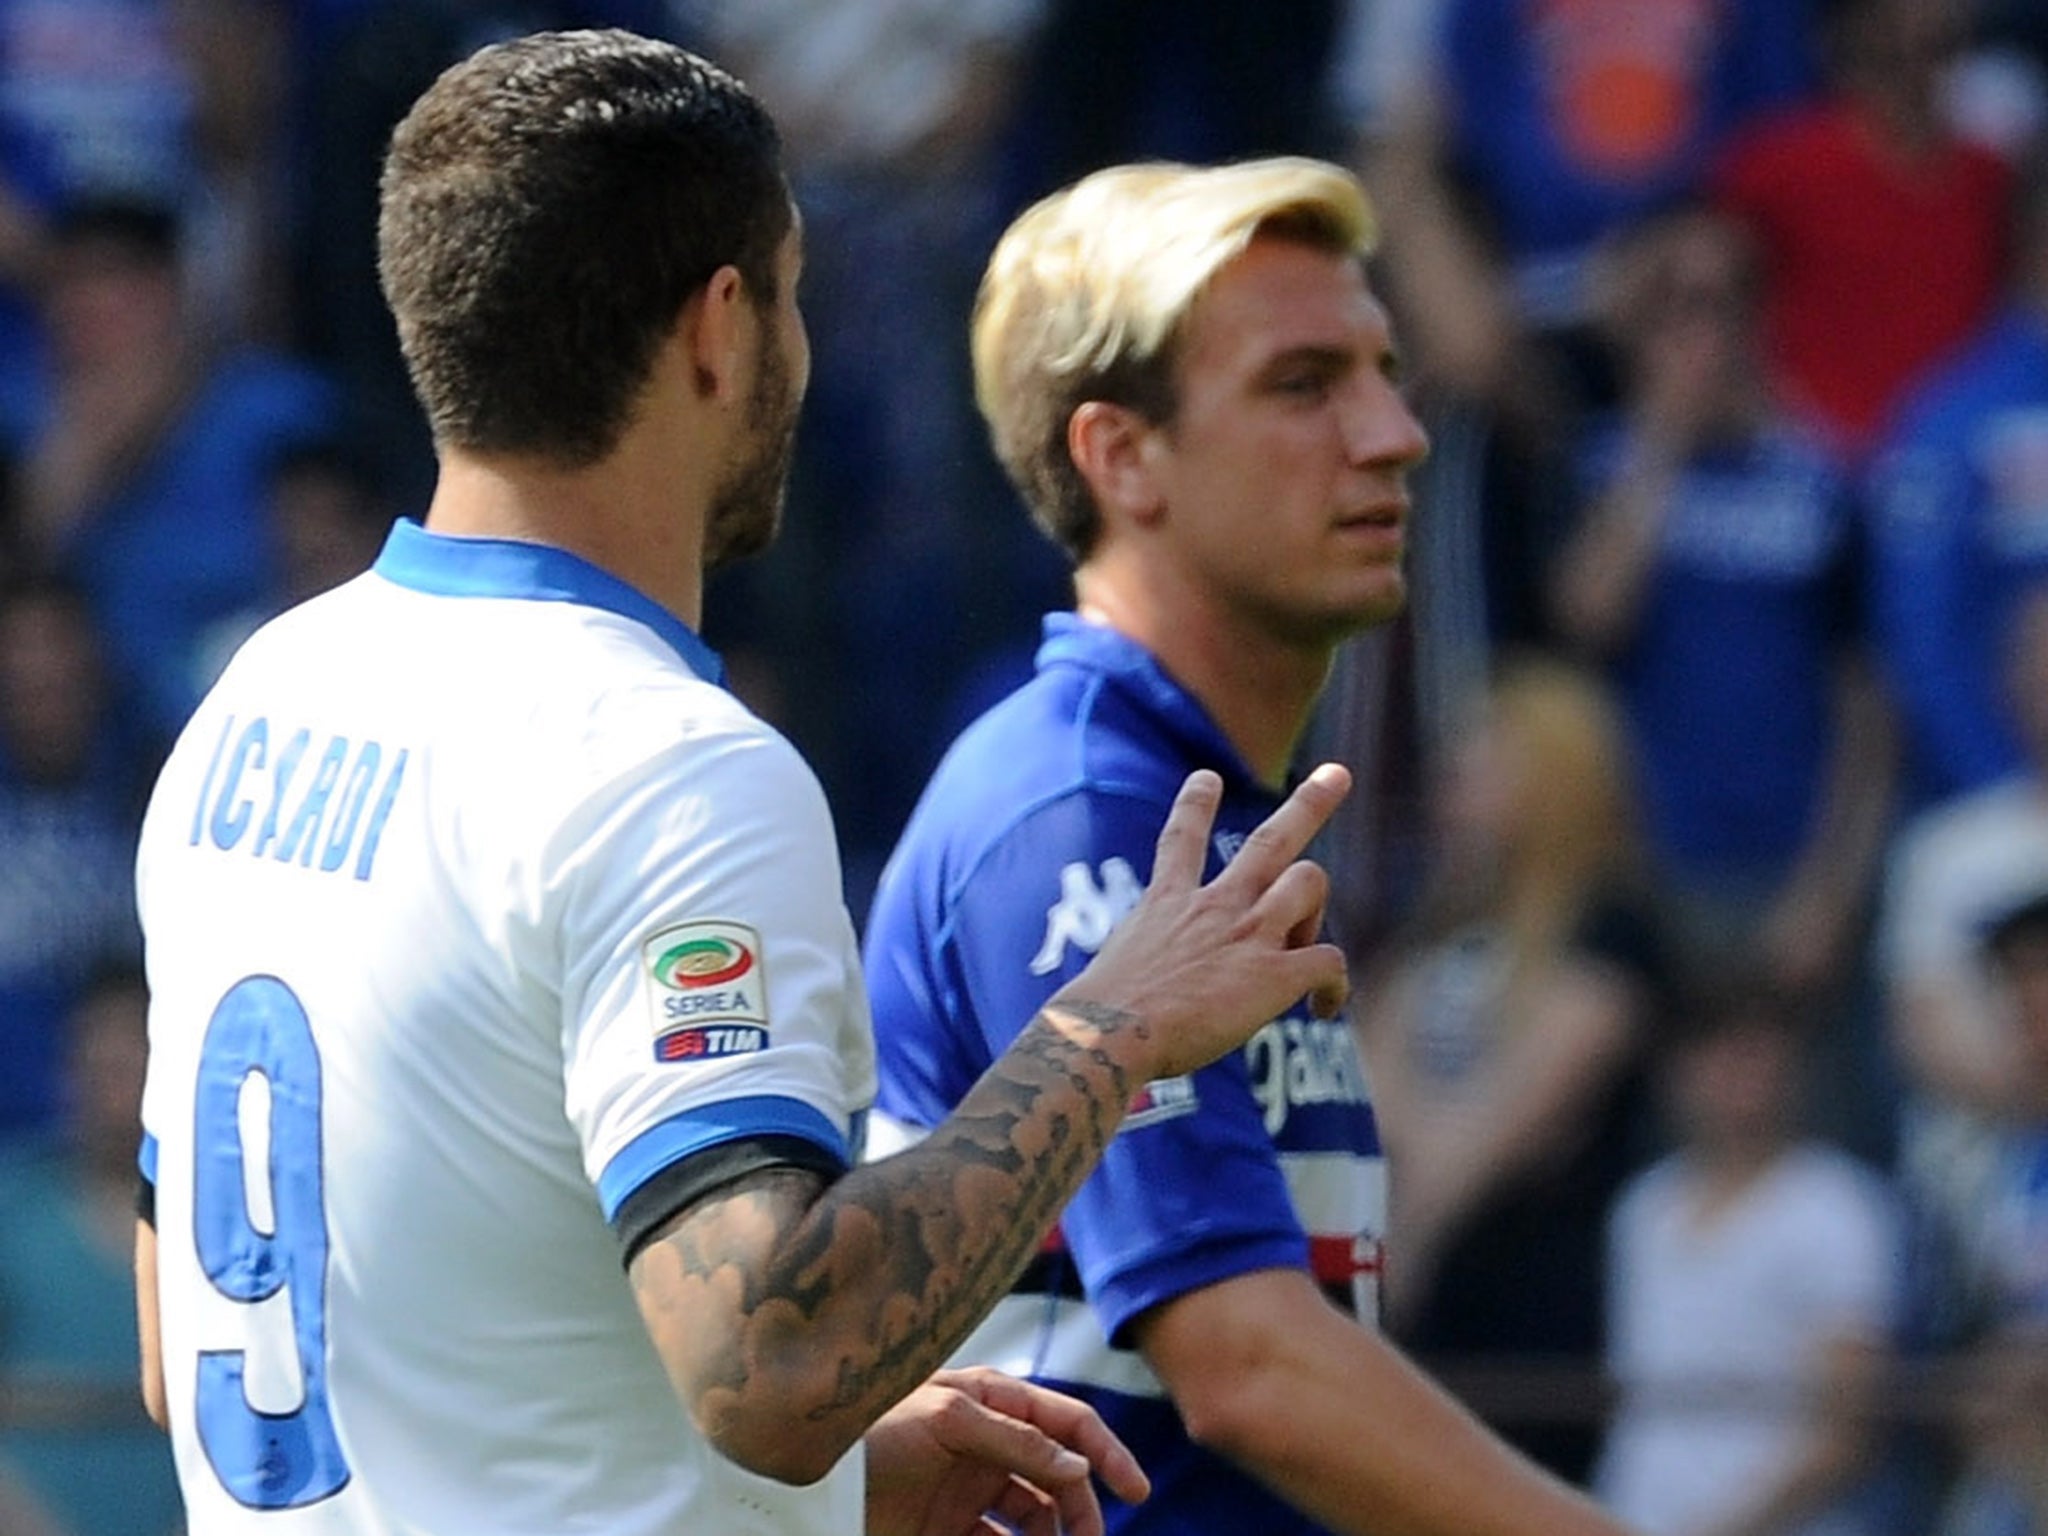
(707,990)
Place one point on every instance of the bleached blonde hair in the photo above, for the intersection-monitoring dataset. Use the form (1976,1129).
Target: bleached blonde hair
(1087,293)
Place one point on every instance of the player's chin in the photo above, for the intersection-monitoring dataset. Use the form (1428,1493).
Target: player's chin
(1372,597)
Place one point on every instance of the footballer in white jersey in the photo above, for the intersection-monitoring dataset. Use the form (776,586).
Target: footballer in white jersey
(479,917)
(508,1049)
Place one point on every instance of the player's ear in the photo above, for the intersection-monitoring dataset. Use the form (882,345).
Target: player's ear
(712,330)
(1113,448)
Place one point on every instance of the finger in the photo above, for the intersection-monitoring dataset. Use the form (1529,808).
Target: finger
(1317,972)
(1279,840)
(1298,898)
(1183,848)
(1327,1000)
(1067,1419)
(980,1432)
(1290,910)
(1032,1512)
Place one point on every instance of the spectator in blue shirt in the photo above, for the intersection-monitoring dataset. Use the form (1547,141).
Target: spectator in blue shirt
(1960,527)
(1712,573)
(146,482)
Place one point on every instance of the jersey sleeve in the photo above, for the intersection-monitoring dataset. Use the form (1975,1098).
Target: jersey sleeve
(712,1010)
(1190,1191)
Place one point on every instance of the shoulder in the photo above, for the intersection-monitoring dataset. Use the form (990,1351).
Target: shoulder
(1646,1195)
(625,721)
(528,710)
(1060,758)
(1837,1192)
(1035,835)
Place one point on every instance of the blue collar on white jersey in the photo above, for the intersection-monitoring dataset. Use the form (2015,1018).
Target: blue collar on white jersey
(1071,640)
(448,566)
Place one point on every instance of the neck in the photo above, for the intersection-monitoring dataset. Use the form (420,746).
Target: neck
(1258,688)
(621,519)
(1733,1163)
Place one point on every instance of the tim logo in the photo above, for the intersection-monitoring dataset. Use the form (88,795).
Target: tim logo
(706,993)
(703,1044)
(1090,904)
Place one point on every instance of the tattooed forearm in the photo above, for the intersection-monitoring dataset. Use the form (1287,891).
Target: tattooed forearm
(778,1300)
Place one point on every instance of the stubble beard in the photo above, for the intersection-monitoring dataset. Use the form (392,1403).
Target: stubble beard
(746,513)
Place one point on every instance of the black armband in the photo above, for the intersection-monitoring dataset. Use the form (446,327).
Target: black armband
(681,1184)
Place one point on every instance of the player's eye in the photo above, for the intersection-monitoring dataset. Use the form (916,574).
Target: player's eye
(1303,384)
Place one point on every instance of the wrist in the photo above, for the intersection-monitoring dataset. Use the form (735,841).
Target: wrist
(1117,1040)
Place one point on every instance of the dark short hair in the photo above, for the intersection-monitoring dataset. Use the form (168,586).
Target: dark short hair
(548,206)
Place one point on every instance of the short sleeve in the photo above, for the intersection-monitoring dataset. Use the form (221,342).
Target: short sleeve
(712,990)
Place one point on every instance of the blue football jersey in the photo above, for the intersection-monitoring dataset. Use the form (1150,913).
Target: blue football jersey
(1034,837)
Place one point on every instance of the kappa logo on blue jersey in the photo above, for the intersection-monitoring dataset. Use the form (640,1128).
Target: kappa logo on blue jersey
(708,995)
(1089,906)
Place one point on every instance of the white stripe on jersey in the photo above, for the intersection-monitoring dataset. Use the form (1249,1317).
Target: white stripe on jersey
(1337,1194)
(1056,1338)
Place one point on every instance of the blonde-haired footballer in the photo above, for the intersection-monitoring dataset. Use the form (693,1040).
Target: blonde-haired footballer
(1189,380)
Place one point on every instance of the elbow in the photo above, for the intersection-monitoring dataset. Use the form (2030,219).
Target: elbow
(1236,1423)
(788,1446)
(793,1457)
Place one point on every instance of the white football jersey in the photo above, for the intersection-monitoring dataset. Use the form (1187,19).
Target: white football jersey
(473,903)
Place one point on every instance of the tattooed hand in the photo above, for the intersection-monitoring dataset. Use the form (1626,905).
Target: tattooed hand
(1195,969)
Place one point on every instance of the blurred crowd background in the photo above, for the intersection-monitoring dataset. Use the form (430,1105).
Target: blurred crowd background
(1699,885)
